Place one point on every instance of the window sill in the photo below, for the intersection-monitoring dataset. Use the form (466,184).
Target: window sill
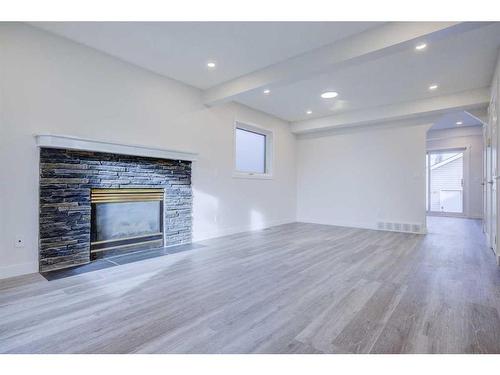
(261,176)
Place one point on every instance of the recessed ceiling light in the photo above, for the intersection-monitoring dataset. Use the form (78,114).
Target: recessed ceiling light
(309,112)
(459,123)
(329,95)
(433,87)
(211,65)
(266,92)
(421,46)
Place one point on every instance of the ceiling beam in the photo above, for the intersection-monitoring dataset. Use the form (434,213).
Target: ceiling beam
(466,100)
(428,121)
(374,43)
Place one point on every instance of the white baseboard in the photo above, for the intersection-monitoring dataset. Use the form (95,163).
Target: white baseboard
(238,229)
(372,226)
(17,270)
(475,217)
(460,216)
(339,224)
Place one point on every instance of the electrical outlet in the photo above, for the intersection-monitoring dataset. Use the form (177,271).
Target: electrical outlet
(19,242)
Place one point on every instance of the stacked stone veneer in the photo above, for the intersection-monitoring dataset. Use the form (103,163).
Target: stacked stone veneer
(66,178)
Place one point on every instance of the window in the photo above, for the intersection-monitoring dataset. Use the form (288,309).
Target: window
(252,151)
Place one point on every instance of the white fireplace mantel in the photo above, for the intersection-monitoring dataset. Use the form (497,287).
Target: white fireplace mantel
(75,143)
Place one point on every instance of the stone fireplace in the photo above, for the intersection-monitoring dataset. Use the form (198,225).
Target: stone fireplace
(94,204)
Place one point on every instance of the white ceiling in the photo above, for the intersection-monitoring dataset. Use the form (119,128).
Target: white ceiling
(462,62)
(180,50)
(459,60)
(449,121)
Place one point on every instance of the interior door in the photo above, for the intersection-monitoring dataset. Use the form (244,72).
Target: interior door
(493,187)
(492,182)
(486,171)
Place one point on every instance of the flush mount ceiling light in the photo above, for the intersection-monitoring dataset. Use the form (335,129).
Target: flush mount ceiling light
(211,65)
(421,46)
(329,95)
(459,123)
(309,112)
(433,87)
(266,92)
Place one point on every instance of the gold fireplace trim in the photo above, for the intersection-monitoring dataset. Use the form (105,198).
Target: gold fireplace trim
(125,195)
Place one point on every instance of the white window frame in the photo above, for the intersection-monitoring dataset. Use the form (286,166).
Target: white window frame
(269,156)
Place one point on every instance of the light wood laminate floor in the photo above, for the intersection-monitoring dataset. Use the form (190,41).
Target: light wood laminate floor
(295,288)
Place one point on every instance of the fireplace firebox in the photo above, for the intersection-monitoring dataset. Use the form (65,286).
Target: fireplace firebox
(122,219)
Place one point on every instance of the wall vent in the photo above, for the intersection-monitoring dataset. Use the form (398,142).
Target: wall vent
(400,227)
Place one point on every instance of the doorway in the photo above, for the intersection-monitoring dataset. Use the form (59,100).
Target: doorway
(445,182)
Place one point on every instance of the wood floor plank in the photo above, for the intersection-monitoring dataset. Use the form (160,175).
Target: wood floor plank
(363,330)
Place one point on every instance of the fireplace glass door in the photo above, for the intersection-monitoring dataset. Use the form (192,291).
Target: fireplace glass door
(126,218)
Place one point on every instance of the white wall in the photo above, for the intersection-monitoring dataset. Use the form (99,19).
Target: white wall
(360,177)
(52,85)
(470,138)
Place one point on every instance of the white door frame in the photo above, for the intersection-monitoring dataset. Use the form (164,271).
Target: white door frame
(491,163)
(494,155)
